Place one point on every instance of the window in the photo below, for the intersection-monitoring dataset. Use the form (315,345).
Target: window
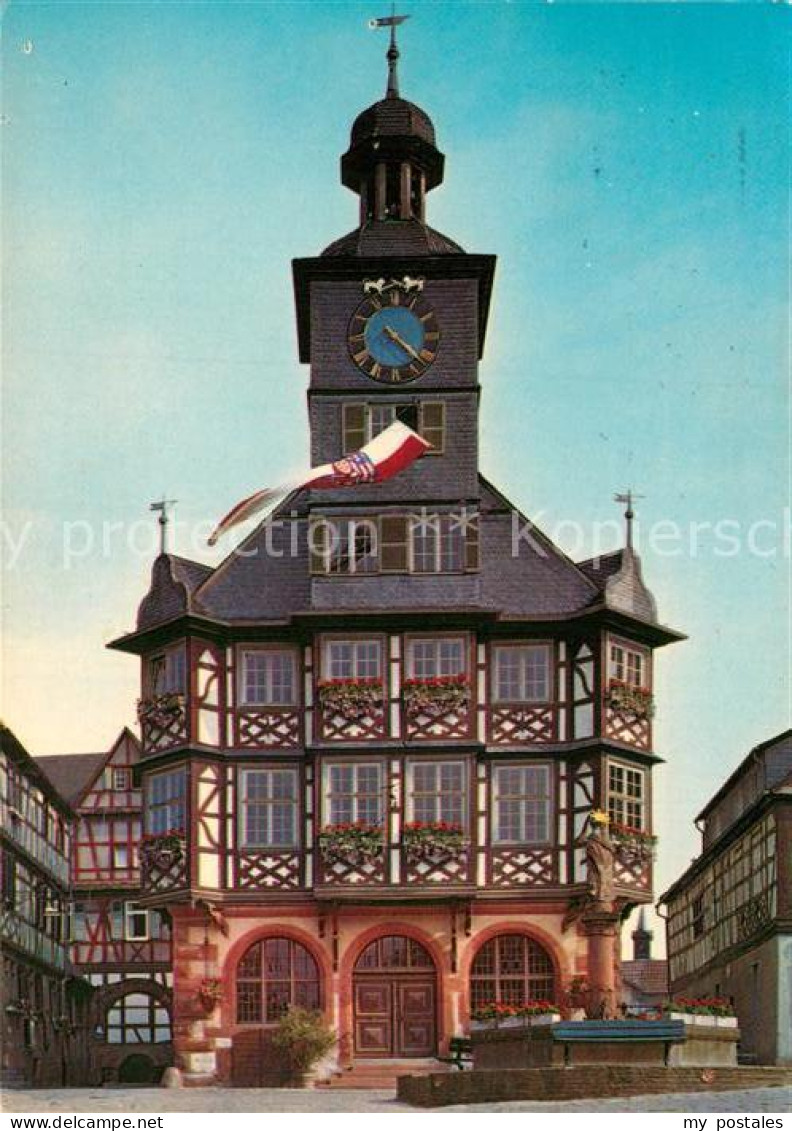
(362,422)
(166,801)
(697,916)
(269,808)
(120,857)
(137,1019)
(437,544)
(522,673)
(437,792)
(355,793)
(352,659)
(444,656)
(168,672)
(522,808)
(121,779)
(272,976)
(625,795)
(511,969)
(628,665)
(426,543)
(136,922)
(269,677)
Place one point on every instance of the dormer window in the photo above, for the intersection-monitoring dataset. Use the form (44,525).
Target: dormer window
(362,422)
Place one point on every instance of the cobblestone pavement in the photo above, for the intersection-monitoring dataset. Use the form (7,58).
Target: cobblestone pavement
(159,1100)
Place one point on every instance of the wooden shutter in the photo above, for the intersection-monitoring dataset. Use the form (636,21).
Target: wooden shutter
(317,543)
(472,545)
(393,544)
(432,425)
(354,427)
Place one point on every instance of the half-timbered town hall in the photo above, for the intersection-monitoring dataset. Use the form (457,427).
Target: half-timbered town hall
(372,742)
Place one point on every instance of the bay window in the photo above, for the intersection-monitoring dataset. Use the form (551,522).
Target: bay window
(167,672)
(268,677)
(355,793)
(521,673)
(522,804)
(269,808)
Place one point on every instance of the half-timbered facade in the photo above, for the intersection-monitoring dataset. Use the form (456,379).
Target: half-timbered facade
(371,741)
(119,947)
(730,913)
(39,1014)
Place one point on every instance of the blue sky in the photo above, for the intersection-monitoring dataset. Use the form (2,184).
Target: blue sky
(164,162)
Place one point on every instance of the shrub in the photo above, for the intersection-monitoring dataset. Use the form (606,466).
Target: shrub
(304,1038)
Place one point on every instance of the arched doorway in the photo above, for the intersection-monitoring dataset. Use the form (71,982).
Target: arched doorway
(138,1069)
(513,969)
(394,993)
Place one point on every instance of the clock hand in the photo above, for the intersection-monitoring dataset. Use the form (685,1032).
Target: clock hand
(399,340)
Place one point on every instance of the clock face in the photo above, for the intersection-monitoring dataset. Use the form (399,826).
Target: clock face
(393,337)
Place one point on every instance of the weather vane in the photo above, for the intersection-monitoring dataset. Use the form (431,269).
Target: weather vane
(392,21)
(628,497)
(162,507)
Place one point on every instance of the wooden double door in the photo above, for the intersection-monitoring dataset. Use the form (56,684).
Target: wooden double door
(394,989)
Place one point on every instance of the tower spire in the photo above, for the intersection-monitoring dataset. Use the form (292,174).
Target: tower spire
(628,497)
(392,55)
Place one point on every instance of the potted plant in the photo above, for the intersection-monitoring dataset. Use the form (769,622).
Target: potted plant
(210,993)
(433,840)
(161,710)
(355,842)
(351,698)
(506,1015)
(305,1039)
(637,701)
(714,1011)
(162,850)
(436,695)
(630,841)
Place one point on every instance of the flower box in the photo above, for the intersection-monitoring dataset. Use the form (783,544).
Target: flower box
(162,850)
(545,1019)
(439,695)
(631,842)
(504,1015)
(726,1022)
(711,1011)
(436,841)
(637,701)
(351,843)
(162,710)
(351,698)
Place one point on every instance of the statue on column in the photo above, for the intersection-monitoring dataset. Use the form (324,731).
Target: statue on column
(600,856)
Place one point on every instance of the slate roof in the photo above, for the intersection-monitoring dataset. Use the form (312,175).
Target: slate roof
(19,756)
(71,773)
(601,568)
(392,117)
(393,237)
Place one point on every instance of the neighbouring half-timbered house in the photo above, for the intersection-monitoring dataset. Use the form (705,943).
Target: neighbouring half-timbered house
(119,947)
(730,913)
(371,742)
(39,1011)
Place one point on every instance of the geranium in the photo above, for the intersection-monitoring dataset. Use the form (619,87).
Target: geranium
(162,850)
(161,710)
(500,1010)
(437,695)
(706,1006)
(351,841)
(433,839)
(633,839)
(352,698)
(210,993)
(622,696)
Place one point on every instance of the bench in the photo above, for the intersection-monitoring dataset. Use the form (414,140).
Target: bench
(460,1051)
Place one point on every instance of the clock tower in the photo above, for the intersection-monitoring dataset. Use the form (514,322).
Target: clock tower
(378,754)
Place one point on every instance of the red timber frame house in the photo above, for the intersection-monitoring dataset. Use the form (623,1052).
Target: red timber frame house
(372,742)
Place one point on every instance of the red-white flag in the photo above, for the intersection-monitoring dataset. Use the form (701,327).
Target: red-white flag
(388,453)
